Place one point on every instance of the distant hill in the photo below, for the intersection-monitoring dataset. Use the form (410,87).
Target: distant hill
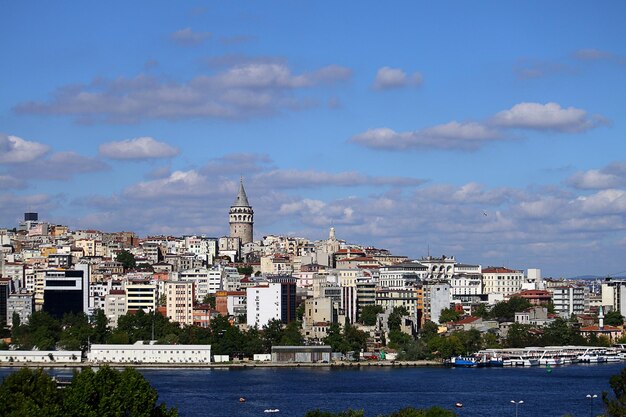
(593,277)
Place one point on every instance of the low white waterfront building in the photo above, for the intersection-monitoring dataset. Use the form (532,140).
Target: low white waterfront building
(142,353)
(40,356)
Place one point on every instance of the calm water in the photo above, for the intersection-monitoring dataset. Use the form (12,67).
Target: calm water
(378,390)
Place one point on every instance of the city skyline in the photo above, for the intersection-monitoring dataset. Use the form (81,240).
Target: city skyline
(491,132)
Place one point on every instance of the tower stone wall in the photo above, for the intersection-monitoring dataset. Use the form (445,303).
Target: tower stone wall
(241,217)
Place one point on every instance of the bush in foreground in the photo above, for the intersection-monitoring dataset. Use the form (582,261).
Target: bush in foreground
(405,412)
(106,392)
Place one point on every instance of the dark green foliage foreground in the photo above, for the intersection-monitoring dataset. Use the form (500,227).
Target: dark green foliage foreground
(105,393)
(405,412)
(616,404)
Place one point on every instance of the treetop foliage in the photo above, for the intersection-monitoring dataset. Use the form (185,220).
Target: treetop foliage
(102,393)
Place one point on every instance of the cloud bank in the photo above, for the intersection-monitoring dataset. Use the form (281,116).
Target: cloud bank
(137,148)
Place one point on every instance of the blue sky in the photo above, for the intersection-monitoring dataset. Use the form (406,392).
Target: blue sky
(492,131)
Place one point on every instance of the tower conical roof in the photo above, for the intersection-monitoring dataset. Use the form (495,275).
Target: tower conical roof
(242,198)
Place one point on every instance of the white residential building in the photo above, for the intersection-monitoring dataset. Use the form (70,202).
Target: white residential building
(206,281)
(571,299)
(141,296)
(439,268)
(436,298)
(263,304)
(402,276)
(466,284)
(115,305)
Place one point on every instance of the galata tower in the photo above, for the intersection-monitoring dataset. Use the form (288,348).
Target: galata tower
(241,217)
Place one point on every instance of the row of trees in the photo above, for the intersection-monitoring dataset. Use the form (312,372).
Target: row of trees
(76,331)
(101,393)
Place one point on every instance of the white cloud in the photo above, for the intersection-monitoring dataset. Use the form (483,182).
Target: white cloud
(593,54)
(523,227)
(242,91)
(291,178)
(58,166)
(611,176)
(595,180)
(389,78)
(188,37)
(9,182)
(452,135)
(15,150)
(549,116)
(179,183)
(604,202)
(137,148)
(237,163)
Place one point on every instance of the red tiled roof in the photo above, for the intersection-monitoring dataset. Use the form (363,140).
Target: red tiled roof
(467,320)
(598,329)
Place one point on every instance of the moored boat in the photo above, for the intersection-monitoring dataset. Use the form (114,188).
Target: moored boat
(467,362)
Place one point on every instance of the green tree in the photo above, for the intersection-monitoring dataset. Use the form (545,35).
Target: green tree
(490,341)
(346,413)
(519,336)
(616,404)
(414,350)
(355,338)
(394,320)
(292,335)
(480,310)
(210,300)
(470,339)
(272,334)
(245,270)
(429,330)
(336,340)
(448,315)
(613,318)
(109,392)
(127,259)
(505,310)
(429,412)
(100,324)
(42,332)
(253,343)
(397,339)
(30,393)
(76,332)
(300,312)
(368,314)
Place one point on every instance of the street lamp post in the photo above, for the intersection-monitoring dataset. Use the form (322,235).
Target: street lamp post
(591,397)
(517,404)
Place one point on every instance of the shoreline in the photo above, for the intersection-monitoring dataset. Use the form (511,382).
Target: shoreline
(228,365)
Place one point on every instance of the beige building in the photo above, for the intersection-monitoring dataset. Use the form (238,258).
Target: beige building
(179,301)
(390,298)
(90,247)
(501,280)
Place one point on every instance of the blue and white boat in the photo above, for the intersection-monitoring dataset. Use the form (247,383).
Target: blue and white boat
(466,362)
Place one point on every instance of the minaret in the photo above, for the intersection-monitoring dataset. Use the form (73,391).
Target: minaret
(601,319)
(241,217)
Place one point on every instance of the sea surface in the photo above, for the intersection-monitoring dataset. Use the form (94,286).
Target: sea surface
(381,390)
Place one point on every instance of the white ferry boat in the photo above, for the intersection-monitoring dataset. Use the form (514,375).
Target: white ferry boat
(520,361)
